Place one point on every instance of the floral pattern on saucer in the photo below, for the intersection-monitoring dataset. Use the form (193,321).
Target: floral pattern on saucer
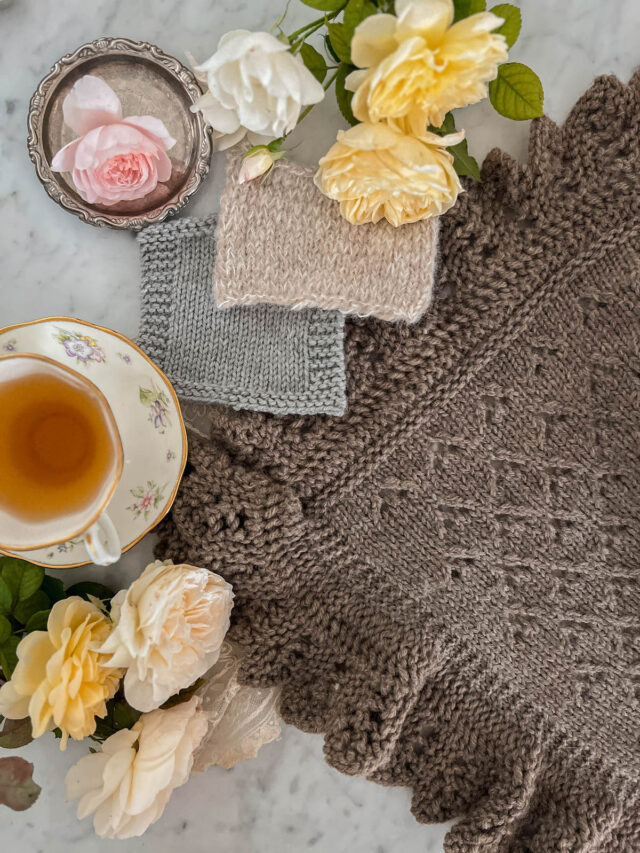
(147,497)
(83,348)
(157,401)
(146,410)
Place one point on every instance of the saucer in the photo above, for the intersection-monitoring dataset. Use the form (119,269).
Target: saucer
(147,413)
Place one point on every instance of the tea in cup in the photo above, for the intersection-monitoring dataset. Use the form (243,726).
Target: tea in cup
(60,459)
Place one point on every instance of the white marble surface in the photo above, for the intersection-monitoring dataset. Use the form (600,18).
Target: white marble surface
(287,799)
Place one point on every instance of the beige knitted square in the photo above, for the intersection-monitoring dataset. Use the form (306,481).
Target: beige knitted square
(281,241)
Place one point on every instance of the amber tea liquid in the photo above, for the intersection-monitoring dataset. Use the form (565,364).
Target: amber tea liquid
(58,445)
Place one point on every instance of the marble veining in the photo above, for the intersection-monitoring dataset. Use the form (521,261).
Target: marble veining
(287,799)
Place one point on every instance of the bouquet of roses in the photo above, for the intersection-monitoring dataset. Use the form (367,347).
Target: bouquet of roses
(398,70)
(147,675)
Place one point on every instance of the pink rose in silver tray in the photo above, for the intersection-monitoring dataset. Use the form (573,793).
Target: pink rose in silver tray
(114,158)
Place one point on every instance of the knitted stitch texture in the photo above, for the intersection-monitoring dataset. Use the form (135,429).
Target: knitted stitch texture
(281,241)
(446,582)
(263,358)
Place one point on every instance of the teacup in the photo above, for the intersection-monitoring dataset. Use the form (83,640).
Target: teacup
(148,418)
(61,459)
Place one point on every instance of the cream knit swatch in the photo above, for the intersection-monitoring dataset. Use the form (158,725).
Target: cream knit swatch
(281,241)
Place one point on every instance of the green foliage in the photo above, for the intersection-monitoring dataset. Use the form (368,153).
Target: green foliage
(343,95)
(464,8)
(325,5)
(8,657)
(184,695)
(517,92)
(355,12)
(16,733)
(314,61)
(5,597)
(329,49)
(86,588)
(18,791)
(463,162)
(5,629)
(38,621)
(512,22)
(54,588)
(120,715)
(24,610)
(340,42)
(22,578)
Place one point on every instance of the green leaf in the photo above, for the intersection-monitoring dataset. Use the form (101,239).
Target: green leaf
(5,629)
(54,588)
(512,22)
(463,162)
(339,42)
(355,12)
(22,578)
(464,8)
(16,733)
(330,50)
(86,588)
(184,695)
(38,622)
(124,716)
(5,597)
(343,96)
(517,92)
(18,791)
(314,61)
(24,610)
(8,656)
(325,5)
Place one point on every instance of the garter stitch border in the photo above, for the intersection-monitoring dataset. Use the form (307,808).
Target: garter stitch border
(282,242)
(446,583)
(262,358)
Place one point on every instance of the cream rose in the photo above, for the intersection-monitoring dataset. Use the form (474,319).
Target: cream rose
(59,680)
(255,85)
(418,62)
(378,172)
(128,783)
(169,626)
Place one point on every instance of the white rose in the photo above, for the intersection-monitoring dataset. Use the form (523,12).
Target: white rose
(255,84)
(127,784)
(169,626)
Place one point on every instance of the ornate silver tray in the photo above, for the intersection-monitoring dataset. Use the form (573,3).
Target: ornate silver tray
(148,82)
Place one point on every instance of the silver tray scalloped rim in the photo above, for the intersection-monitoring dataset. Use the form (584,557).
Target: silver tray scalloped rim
(148,82)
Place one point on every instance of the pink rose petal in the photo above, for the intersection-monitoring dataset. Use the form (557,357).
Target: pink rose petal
(64,160)
(90,103)
(154,128)
(113,159)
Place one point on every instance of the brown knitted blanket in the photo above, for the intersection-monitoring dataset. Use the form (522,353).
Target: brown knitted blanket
(446,581)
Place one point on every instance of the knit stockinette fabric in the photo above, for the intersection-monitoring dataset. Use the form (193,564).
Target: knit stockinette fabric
(263,358)
(446,582)
(281,241)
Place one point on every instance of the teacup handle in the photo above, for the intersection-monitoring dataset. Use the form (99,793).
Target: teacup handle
(102,542)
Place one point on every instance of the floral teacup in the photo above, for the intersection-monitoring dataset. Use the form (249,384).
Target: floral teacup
(147,415)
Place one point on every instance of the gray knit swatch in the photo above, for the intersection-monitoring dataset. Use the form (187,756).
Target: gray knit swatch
(261,357)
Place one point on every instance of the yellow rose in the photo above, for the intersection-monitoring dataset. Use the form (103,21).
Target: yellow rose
(417,62)
(60,680)
(376,171)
